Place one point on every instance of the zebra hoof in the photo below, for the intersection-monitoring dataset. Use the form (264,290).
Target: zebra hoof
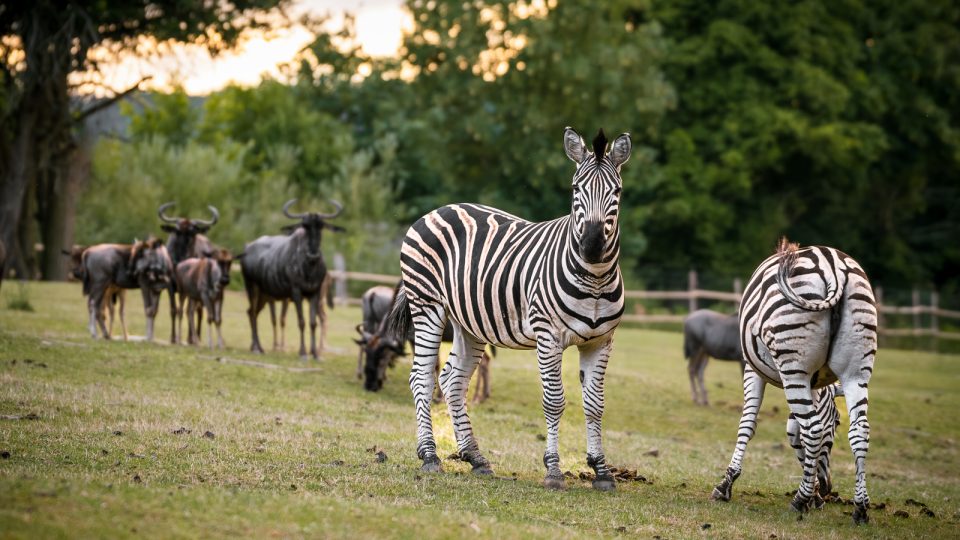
(431,464)
(606,483)
(482,470)
(799,504)
(555,482)
(721,493)
(860,516)
(818,501)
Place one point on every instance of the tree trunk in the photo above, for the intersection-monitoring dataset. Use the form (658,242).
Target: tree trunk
(59,225)
(16,178)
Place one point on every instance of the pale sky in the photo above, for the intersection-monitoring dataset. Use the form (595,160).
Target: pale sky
(379,25)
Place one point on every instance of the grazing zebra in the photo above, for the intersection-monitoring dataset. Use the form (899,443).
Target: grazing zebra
(807,318)
(511,283)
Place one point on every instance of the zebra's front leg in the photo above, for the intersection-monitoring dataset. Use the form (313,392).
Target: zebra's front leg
(753,387)
(428,325)
(549,358)
(593,368)
(455,381)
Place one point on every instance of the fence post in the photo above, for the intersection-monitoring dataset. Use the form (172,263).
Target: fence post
(915,301)
(340,286)
(692,286)
(738,287)
(934,320)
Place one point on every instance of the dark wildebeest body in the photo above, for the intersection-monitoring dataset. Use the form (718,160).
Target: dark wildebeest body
(110,268)
(113,296)
(381,349)
(186,241)
(709,334)
(289,267)
(201,282)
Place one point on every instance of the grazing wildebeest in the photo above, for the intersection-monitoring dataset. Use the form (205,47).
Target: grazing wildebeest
(186,240)
(200,282)
(280,267)
(110,268)
(807,319)
(381,348)
(708,333)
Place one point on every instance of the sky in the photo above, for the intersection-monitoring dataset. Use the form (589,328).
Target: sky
(379,25)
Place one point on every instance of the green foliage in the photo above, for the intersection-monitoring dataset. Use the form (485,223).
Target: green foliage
(133,178)
(170,116)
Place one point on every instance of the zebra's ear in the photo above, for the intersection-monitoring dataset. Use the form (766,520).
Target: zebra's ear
(574,145)
(620,151)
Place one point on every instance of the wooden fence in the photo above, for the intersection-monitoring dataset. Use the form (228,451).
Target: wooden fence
(693,295)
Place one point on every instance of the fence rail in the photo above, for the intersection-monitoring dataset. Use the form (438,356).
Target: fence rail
(693,295)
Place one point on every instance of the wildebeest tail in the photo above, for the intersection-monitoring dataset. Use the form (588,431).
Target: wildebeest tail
(399,321)
(688,345)
(788,251)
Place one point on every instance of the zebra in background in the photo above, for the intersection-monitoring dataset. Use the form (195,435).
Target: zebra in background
(807,318)
(511,283)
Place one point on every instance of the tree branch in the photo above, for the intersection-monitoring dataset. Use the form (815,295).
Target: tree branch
(111,100)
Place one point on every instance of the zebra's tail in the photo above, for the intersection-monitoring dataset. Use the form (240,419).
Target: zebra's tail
(787,251)
(399,321)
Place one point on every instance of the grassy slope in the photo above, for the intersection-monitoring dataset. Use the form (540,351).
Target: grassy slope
(291,454)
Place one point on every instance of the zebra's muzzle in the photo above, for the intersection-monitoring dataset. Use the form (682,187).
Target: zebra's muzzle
(592,241)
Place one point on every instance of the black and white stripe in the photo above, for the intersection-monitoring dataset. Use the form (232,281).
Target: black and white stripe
(511,283)
(808,318)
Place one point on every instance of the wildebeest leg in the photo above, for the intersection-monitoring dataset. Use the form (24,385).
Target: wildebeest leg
(753,387)
(273,324)
(101,316)
(256,304)
(123,322)
(322,315)
(298,303)
(172,290)
(692,365)
(481,390)
(700,370)
(151,304)
(211,315)
(199,308)
(312,302)
(218,305)
(191,307)
(180,307)
(92,308)
(111,308)
(283,323)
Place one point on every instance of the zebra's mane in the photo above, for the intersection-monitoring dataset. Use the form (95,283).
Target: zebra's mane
(600,145)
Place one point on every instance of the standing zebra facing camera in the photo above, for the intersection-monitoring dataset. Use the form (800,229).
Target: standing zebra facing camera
(808,317)
(507,282)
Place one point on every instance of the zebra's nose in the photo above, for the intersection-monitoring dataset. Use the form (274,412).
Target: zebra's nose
(592,242)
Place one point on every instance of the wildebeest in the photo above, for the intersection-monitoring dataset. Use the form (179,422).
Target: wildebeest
(380,348)
(113,297)
(186,240)
(707,333)
(291,266)
(110,268)
(200,282)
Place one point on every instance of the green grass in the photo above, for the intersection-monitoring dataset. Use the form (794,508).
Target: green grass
(293,450)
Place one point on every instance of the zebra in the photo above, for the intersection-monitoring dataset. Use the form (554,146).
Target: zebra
(512,283)
(829,419)
(808,318)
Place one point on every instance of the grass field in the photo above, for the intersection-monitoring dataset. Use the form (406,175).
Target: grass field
(118,446)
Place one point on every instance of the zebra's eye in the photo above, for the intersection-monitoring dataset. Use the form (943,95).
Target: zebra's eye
(616,192)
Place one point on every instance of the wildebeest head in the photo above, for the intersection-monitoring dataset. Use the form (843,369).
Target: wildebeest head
(313,224)
(596,194)
(380,351)
(151,263)
(224,260)
(184,231)
(75,270)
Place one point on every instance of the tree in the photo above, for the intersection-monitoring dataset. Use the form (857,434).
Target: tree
(44,41)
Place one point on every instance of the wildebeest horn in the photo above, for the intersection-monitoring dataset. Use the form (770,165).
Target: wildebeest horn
(286,210)
(335,212)
(162,208)
(212,222)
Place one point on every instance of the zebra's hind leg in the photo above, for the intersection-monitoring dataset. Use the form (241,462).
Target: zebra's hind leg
(753,387)
(428,321)
(827,412)
(549,358)
(800,399)
(593,368)
(455,381)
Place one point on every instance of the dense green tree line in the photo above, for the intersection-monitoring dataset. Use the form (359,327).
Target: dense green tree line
(831,122)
